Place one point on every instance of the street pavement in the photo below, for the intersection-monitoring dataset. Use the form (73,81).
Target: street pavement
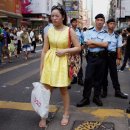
(16,112)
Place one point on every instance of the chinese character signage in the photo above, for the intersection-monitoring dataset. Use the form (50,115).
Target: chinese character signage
(72,8)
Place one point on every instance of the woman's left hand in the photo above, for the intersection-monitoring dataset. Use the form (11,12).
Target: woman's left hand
(118,62)
(60,52)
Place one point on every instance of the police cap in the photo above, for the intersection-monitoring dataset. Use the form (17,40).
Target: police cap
(99,16)
(110,20)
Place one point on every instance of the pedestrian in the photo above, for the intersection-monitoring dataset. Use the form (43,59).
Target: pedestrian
(127,50)
(19,46)
(97,41)
(26,43)
(54,65)
(1,41)
(113,57)
(49,25)
(6,42)
(33,40)
(74,24)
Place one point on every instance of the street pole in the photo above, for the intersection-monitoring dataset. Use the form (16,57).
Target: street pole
(91,12)
(120,15)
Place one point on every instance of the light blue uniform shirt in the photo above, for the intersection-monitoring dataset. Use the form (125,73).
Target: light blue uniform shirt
(115,42)
(80,36)
(98,36)
(47,28)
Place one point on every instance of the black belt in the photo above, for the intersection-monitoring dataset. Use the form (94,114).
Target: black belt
(97,54)
(111,52)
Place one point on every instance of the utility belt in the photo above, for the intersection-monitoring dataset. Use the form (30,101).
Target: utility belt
(97,54)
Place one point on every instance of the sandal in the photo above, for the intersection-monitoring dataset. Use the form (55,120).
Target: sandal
(65,120)
(42,123)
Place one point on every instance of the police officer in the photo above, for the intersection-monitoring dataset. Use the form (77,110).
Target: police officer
(97,40)
(113,57)
(79,34)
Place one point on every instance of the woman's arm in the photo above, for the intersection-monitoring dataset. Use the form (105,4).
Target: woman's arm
(44,50)
(75,42)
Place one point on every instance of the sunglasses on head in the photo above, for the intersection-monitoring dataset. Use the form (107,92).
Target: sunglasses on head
(56,7)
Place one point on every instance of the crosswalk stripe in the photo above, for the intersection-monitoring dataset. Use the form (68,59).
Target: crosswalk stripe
(22,77)
(38,50)
(17,66)
(22,106)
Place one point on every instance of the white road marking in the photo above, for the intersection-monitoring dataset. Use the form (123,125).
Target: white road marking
(38,50)
(22,77)
(17,66)
(3,86)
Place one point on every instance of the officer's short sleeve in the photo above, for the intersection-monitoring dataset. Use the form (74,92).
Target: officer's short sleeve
(119,44)
(87,36)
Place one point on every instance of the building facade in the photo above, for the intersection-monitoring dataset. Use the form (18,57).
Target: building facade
(119,9)
(36,11)
(10,12)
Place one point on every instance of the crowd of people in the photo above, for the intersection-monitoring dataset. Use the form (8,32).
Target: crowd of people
(14,41)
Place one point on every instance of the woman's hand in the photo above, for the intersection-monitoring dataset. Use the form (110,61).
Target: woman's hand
(118,62)
(61,52)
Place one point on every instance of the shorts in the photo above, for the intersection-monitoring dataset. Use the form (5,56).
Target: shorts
(26,47)
(5,50)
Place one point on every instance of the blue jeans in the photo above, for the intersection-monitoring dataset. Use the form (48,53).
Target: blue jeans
(0,52)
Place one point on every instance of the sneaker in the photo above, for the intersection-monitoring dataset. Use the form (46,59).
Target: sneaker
(127,66)
(120,70)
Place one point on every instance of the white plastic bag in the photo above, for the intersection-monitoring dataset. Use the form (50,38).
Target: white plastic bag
(40,98)
(31,48)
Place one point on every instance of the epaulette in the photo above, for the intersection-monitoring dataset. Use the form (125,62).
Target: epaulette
(116,35)
(105,31)
(90,28)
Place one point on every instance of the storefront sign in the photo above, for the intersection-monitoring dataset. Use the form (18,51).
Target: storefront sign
(72,8)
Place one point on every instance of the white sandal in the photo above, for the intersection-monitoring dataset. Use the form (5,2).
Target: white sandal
(65,120)
(42,123)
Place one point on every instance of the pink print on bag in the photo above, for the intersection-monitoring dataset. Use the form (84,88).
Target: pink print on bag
(37,102)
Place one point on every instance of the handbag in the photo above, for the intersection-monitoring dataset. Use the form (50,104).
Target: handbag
(74,61)
(40,98)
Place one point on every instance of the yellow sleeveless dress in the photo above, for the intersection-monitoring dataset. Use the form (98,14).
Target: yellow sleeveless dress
(55,70)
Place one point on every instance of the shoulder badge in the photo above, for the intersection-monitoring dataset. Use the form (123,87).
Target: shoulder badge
(105,31)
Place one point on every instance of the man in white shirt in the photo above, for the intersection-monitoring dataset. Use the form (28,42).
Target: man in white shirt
(19,32)
(49,25)
(32,36)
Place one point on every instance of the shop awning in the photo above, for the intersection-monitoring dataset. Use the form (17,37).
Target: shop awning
(11,14)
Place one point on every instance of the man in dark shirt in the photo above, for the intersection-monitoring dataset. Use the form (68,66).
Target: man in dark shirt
(127,50)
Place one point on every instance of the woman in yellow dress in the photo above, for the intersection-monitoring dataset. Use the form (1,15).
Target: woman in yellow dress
(54,66)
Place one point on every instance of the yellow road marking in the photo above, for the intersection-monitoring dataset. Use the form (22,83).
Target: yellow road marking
(108,113)
(22,106)
(100,113)
(104,113)
(22,77)
(128,115)
(17,66)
